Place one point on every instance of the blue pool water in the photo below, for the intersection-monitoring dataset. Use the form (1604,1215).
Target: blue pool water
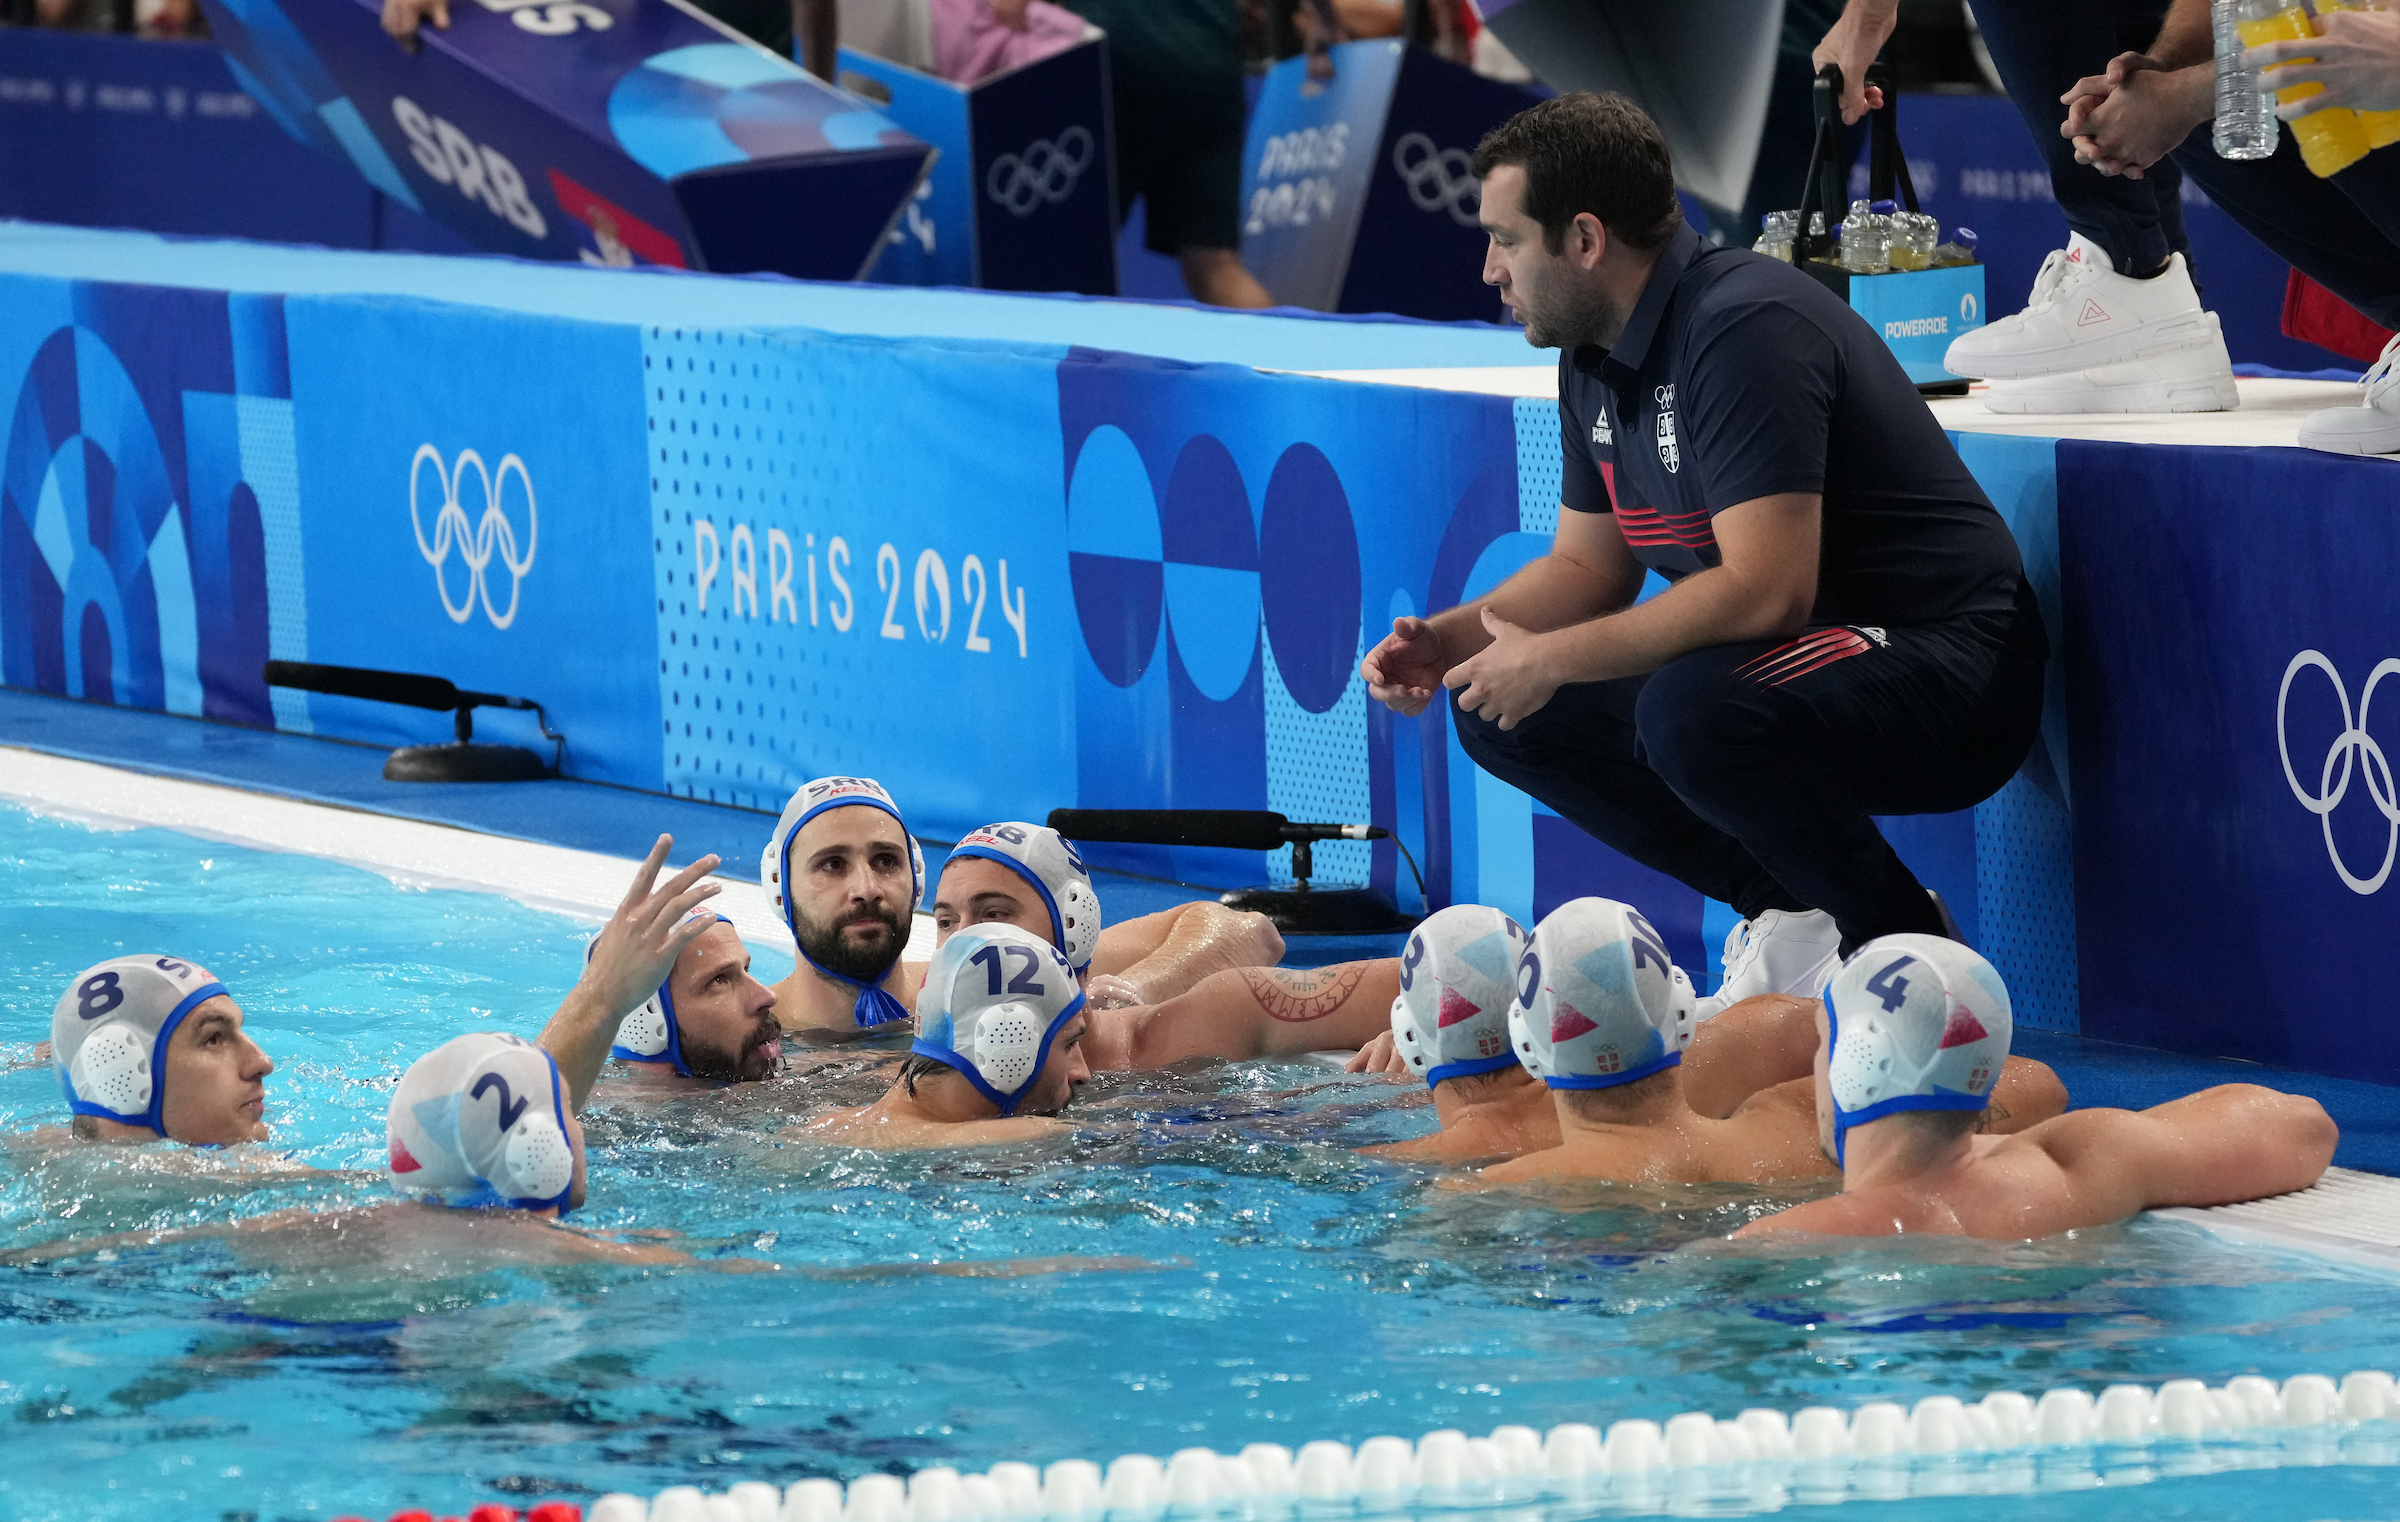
(1246,1277)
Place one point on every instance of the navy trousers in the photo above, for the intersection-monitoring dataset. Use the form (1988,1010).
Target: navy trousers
(1750,771)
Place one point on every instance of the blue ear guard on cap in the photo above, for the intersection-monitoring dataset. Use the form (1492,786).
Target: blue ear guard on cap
(875,1006)
(653,1033)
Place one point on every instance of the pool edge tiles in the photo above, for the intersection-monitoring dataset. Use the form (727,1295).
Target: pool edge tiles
(585,885)
(2348,1215)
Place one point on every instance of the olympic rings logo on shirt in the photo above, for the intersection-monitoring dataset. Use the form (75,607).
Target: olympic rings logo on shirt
(476,542)
(2353,750)
(1045,171)
(1438,179)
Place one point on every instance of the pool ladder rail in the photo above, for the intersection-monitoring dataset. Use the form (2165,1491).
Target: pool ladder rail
(1760,1461)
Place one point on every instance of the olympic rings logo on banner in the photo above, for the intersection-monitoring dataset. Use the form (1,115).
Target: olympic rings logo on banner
(479,541)
(1045,171)
(1438,179)
(2353,750)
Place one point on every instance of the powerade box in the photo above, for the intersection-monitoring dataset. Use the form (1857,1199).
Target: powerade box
(1918,312)
(616,132)
(1356,191)
(1023,194)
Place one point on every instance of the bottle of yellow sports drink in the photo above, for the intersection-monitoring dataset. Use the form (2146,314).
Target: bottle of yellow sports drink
(2382,127)
(2331,140)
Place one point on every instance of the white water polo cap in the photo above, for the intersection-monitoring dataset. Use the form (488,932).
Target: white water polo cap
(652,1033)
(994,999)
(109,1034)
(1918,1022)
(481,1120)
(1049,862)
(1599,1002)
(1458,977)
(875,1007)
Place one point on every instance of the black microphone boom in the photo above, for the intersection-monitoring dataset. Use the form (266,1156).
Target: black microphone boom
(1301,909)
(460,761)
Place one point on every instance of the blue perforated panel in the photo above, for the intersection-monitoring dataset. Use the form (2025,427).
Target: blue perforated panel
(2025,880)
(1539,480)
(1317,770)
(752,707)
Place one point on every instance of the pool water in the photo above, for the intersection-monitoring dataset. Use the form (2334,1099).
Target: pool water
(1210,1264)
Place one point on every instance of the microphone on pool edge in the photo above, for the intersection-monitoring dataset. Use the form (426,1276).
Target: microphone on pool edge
(1230,829)
(1299,909)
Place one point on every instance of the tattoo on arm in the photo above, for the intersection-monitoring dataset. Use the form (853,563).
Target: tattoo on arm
(1297,996)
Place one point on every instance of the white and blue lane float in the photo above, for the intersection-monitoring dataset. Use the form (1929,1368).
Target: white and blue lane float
(1760,1460)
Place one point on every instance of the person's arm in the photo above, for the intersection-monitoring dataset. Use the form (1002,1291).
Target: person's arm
(1753,1046)
(1266,1012)
(633,954)
(2221,1146)
(1588,572)
(2355,56)
(2027,1094)
(1168,953)
(816,28)
(1851,45)
(1762,589)
(2187,36)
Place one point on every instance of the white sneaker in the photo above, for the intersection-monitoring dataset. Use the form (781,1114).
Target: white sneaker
(1782,951)
(2195,378)
(2083,314)
(2371,427)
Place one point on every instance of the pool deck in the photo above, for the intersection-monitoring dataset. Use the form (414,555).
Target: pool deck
(620,823)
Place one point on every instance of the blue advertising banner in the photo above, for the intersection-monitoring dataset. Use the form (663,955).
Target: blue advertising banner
(607,131)
(2236,824)
(1022,194)
(1356,191)
(727,559)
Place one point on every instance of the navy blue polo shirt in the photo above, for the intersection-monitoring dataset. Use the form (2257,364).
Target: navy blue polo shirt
(1739,377)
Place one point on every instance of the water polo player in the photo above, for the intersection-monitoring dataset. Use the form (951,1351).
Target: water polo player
(153,1046)
(483,1121)
(1000,1025)
(1030,876)
(1911,1039)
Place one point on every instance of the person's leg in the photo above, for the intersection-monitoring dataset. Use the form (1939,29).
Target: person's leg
(1579,755)
(2343,233)
(1194,203)
(1791,748)
(2041,47)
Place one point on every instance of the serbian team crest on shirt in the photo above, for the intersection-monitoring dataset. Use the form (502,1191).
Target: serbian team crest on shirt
(1669,454)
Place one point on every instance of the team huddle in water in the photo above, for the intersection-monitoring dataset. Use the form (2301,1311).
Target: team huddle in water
(1575,1050)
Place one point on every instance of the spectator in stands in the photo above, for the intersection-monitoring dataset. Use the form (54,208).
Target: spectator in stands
(1176,68)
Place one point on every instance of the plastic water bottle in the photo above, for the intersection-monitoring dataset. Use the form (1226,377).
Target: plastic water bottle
(1959,250)
(1776,229)
(1914,235)
(1866,236)
(2246,126)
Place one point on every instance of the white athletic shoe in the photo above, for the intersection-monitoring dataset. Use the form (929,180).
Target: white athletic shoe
(1782,951)
(2083,314)
(2195,378)
(2371,427)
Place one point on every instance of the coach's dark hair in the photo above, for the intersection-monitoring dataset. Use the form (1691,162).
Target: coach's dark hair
(1584,152)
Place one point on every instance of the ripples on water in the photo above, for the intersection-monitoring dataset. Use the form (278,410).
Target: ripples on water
(1244,1275)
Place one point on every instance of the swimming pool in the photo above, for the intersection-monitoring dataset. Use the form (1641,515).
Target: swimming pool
(1210,1265)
